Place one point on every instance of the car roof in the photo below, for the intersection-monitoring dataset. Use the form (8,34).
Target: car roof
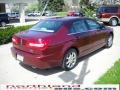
(65,19)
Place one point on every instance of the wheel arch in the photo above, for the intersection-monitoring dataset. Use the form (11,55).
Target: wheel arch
(114,17)
(72,47)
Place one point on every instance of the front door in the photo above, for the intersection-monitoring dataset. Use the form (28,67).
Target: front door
(80,31)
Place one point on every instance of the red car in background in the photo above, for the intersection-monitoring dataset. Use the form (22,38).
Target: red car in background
(109,14)
(60,42)
(75,13)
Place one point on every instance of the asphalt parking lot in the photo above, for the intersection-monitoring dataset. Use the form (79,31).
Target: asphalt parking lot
(88,70)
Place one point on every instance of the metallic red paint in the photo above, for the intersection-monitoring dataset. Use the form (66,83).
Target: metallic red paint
(56,44)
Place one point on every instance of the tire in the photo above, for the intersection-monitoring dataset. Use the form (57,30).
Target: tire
(69,60)
(113,22)
(109,41)
(3,24)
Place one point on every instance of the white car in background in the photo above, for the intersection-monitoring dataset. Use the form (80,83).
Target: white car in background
(50,13)
(34,14)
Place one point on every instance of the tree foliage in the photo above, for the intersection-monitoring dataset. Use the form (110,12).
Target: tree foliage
(53,5)
(56,5)
(32,8)
(84,2)
(88,8)
(41,4)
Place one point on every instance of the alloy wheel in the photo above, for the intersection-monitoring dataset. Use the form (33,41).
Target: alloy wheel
(70,60)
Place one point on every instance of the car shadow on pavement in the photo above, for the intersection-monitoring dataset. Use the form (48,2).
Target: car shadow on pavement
(44,72)
(66,76)
(70,76)
(82,74)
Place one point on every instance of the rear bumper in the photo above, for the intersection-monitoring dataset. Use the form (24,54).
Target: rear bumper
(36,60)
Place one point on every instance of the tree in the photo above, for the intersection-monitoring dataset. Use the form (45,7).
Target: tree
(15,8)
(87,8)
(53,5)
(41,4)
(32,7)
(84,2)
(56,5)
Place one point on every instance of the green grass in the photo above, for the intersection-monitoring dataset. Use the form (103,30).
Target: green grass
(61,13)
(112,76)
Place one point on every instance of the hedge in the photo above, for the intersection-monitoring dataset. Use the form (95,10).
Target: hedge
(7,33)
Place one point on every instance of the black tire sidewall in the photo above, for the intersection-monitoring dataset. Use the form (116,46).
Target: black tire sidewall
(107,46)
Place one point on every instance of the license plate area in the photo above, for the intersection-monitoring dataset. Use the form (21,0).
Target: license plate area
(20,58)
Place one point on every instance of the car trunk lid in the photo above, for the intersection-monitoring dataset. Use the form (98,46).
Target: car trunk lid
(31,41)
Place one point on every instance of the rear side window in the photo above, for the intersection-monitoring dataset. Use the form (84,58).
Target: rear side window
(78,27)
(108,10)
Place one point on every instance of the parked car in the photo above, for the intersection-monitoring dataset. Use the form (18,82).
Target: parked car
(75,13)
(30,14)
(13,15)
(34,14)
(49,13)
(60,41)
(37,13)
(109,14)
(4,19)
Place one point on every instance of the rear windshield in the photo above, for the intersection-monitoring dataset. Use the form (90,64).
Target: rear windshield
(107,10)
(47,26)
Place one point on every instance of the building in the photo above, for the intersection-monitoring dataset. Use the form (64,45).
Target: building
(5,4)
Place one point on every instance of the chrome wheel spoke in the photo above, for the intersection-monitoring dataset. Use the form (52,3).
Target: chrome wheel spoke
(69,65)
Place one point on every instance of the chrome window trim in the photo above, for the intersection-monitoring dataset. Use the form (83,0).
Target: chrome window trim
(76,33)
(83,32)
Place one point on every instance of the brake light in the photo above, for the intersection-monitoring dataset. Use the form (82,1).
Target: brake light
(105,15)
(40,44)
(15,40)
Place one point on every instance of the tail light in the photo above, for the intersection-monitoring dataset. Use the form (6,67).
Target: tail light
(104,15)
(15,40)
(40,44)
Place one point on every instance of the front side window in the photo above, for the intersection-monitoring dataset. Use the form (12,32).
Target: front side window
(78,27)
(93,25)
(47,26)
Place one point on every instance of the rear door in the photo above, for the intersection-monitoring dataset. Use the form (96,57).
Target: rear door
(80,31)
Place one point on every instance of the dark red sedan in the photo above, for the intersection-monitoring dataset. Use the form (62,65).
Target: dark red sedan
(60,41)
